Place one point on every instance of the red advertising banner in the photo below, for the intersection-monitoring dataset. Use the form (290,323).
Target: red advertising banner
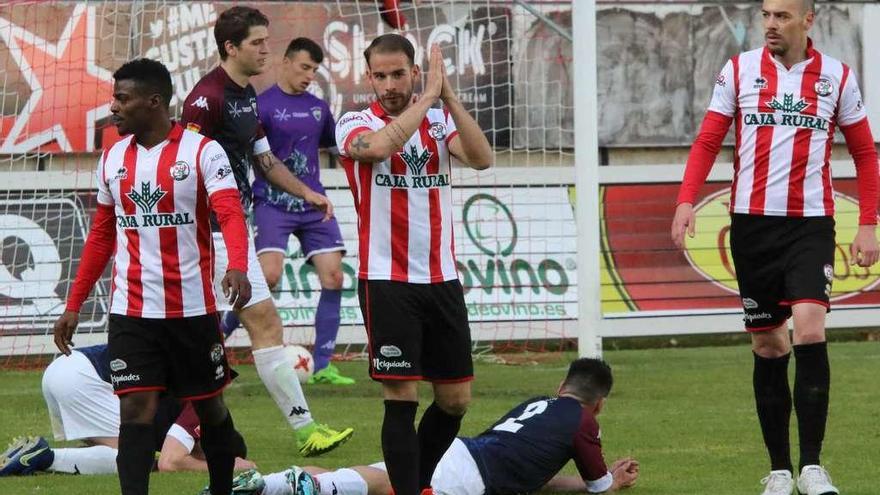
(58,59)
(644,271)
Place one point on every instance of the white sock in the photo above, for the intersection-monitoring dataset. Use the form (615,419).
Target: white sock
(342,482)
(276,484)
(99,459)
(276,370)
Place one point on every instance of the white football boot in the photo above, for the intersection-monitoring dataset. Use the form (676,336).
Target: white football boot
(814,480)
(778,483)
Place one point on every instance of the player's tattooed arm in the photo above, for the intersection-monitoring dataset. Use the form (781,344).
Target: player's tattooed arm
(359,145)
(265,163)
(376,146)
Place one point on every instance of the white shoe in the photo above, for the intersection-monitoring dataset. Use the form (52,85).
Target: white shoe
(814,480)
(778,483)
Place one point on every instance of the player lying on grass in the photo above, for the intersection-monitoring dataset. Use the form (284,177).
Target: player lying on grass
(522,452)
(82,407)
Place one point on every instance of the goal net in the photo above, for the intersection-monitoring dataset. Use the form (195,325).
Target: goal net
(514,224)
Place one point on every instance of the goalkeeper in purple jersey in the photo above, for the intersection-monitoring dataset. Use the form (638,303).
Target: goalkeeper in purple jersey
(297,124)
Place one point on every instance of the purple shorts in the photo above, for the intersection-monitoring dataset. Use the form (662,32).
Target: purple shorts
(273,227)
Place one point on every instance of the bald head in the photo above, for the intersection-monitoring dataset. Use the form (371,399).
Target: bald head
(786,24)
(808,6)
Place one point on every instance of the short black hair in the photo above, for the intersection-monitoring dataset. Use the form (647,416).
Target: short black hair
(391,43)
(589,379)
(234,25)
(151,76)
(299,44)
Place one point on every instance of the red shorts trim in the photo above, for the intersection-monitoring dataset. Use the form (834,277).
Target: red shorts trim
(805,300)
(209,394)
(765,328)
(451,380)
(139,389)
(380,378)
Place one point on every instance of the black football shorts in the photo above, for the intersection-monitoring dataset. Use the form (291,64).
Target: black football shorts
(781,261)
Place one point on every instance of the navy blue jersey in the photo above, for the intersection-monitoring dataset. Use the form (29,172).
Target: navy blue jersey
(99,358)
(531,443)
(218,108)
(169,410)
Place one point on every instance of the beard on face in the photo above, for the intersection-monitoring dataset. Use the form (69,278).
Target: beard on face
(779,46)
(395,102)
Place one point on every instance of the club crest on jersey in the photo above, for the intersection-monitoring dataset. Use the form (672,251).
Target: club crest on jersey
(316,113)
(414,160)
(437,131)
(180,171)
(823,87)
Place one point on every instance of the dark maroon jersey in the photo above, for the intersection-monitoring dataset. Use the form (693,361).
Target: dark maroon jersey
(531,443)
(220,109)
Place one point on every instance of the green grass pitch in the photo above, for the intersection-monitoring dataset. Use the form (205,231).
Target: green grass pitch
(686,414)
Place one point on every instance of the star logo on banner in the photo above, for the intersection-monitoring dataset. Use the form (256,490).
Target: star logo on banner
(69,93)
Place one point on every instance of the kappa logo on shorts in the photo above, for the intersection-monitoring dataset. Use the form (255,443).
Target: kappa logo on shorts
(390,351)
(118,365)
(216,354)
(749,303)
(218,373)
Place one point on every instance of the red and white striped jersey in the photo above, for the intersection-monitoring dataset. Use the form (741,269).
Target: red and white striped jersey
(784,124)
(404,203)
(163,266)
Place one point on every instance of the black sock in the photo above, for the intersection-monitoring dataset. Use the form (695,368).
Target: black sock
(773,402)
(812,382)
(221,444)
(400,446)
(437,430)
(134,459)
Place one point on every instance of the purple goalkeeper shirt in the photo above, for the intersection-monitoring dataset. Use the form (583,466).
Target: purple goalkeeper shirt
(296,126)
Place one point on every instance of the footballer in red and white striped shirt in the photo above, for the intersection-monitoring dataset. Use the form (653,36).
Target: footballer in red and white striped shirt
(397,155)
(785,100)
(156,188)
